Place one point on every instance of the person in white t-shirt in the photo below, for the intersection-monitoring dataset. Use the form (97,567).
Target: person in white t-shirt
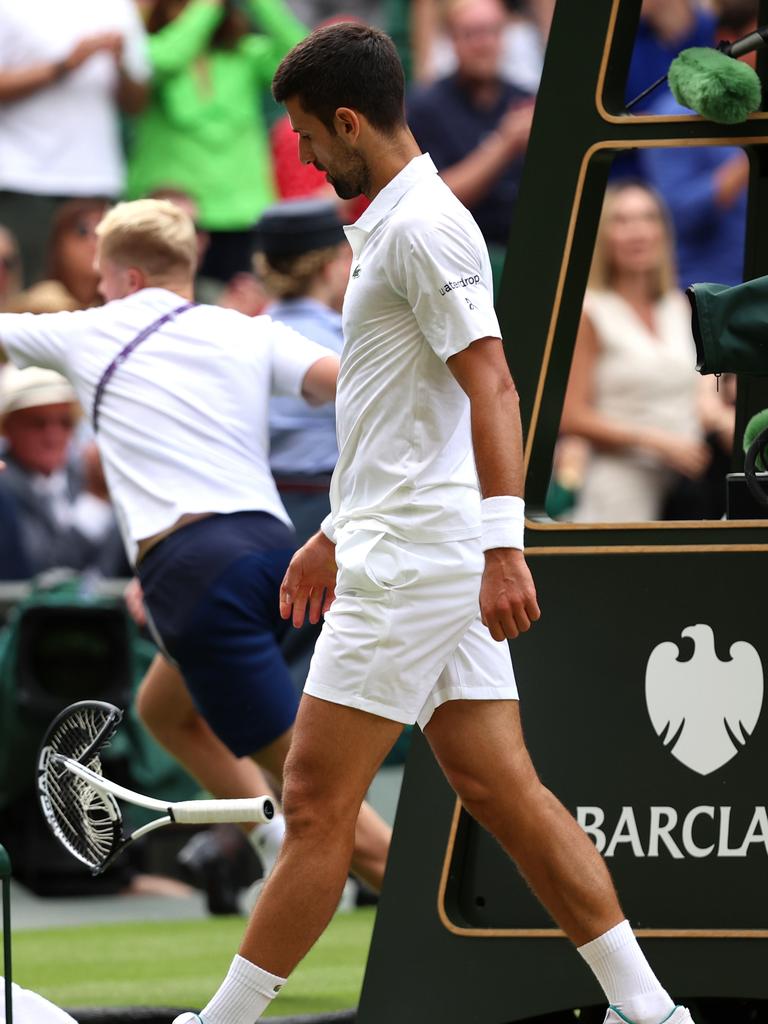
(178,397)
(419,569)
(67,70)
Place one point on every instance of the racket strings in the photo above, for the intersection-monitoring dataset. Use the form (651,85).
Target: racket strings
(86,821)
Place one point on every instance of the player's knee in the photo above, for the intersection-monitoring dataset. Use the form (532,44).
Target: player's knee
(493,800)
(312,807)
(477,795)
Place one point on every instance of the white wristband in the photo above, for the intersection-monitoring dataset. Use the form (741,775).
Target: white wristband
(503,522)
(327,528)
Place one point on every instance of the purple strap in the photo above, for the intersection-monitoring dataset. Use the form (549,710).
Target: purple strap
(123,354)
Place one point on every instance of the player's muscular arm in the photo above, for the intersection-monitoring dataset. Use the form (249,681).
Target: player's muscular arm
(507,595)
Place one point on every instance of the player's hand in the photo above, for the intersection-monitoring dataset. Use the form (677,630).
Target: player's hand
(508,604)
(310,581)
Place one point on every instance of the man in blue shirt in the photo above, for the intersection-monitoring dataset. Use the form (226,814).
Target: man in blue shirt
(705,189)
(666,27)
(474,124)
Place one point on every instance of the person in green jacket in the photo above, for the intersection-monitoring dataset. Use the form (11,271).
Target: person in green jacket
(204,129)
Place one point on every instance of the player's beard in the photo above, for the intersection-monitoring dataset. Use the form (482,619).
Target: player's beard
(352,180)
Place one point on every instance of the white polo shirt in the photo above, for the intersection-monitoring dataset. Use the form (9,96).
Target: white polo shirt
(65,139)
(183,424)
(420,290)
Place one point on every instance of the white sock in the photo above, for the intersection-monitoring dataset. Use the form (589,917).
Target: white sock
(267,840)
(625,976)
(243,996)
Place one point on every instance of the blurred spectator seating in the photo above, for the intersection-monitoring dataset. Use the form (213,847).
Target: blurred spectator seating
(633,392)
(523,42)
(66,72)
(705,190)
(312,12)
(666,27)
(60,523)
(736,18)
(474,124)
(71,281)
(10,268)
(204,130)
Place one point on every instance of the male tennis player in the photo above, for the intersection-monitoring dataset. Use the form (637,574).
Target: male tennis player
(427,569)
(178,395)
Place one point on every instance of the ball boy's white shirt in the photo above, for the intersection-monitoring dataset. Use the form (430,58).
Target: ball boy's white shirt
(183,424)
(64,140)
(420,290)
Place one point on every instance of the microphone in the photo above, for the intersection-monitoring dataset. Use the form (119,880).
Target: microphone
(712,83)
(747,44)
(755,448)
(756,426)
(715,85)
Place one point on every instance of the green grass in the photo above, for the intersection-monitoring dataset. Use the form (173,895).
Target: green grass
(181,963)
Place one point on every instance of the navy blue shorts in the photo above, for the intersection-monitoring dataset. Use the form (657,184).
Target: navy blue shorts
(212,590)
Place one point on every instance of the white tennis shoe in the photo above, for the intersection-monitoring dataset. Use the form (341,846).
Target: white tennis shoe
(188,1018)
(680,1015)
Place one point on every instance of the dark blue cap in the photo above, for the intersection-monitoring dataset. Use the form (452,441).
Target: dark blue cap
(296,226)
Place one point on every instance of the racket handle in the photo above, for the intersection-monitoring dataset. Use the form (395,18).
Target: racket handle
(213,812)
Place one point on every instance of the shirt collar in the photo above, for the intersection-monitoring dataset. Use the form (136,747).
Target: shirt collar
(416,170)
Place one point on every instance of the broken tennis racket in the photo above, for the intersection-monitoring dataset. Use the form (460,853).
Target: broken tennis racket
(80,805)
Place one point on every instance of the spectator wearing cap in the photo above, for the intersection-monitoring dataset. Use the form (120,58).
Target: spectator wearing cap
(303,260)
(60,524)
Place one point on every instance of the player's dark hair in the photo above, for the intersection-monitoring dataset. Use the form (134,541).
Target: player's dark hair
(345,65)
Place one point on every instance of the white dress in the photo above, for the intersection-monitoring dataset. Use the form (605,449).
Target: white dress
(642,379)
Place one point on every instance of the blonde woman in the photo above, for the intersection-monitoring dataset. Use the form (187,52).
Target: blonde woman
(633,392)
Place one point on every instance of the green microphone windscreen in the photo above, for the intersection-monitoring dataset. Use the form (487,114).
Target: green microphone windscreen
(714,85)
(756,425)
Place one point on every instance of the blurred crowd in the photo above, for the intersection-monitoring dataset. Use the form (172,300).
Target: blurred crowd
(108,99)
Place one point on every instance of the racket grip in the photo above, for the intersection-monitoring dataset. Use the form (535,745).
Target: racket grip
(213,812)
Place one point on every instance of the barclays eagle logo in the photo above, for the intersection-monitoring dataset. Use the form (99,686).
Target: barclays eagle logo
(704,710)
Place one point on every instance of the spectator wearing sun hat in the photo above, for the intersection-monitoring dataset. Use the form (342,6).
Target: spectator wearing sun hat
(60,523)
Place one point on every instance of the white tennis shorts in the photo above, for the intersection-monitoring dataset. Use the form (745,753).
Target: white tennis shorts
(404,634)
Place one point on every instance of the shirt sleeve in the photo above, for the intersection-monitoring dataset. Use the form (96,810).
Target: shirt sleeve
(444,271)
(292,356)
(38,339)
